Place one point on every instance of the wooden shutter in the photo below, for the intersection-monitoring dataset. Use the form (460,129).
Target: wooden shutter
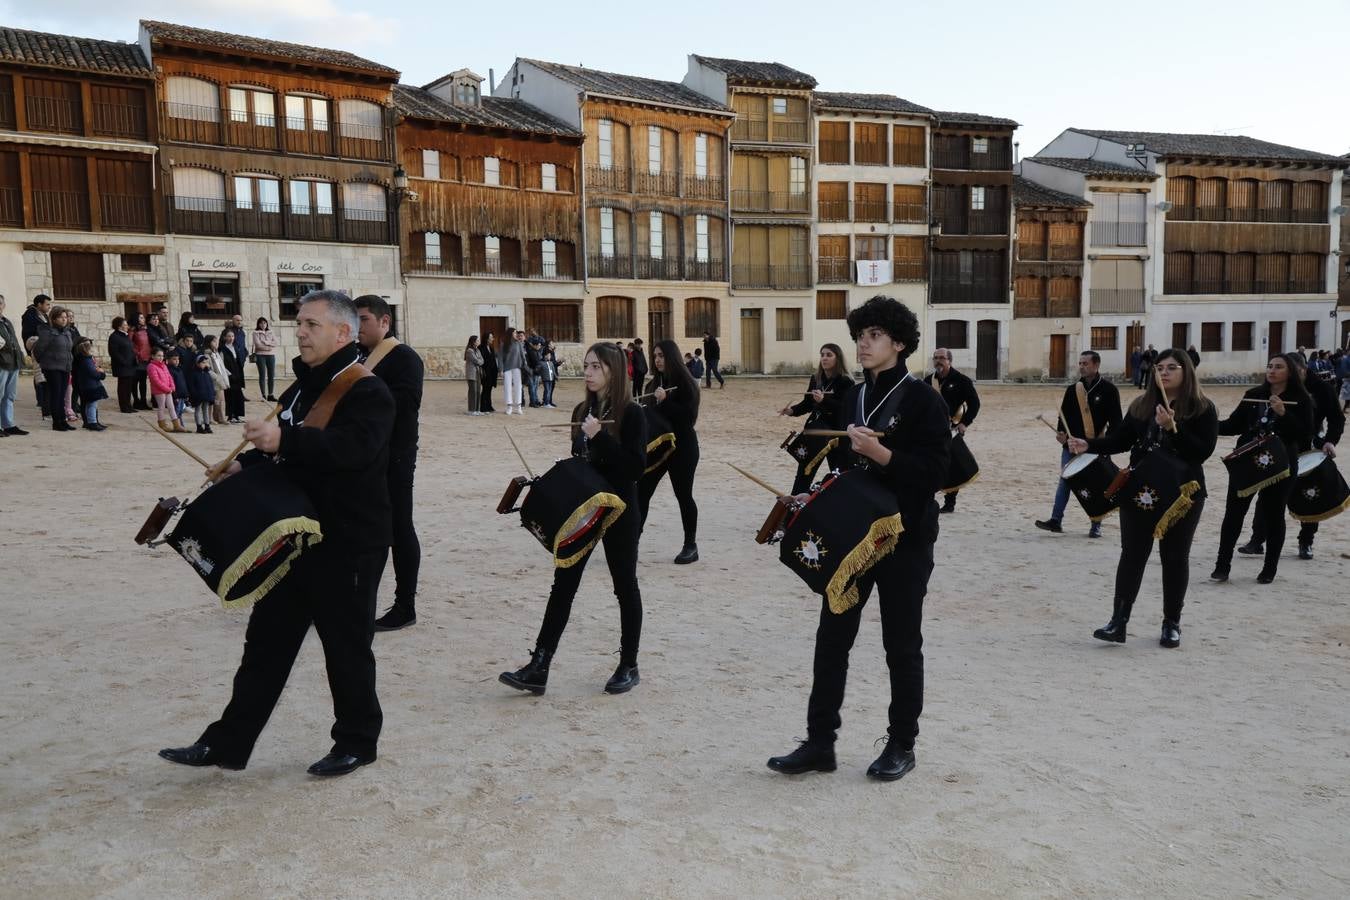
(909,149)
(1178,272)
(910,203)
(833,246)
(834,143)
(566,179)
(1240,272)
(910,258)
(831,304)
(1306,273)
(833,201)
(77,276)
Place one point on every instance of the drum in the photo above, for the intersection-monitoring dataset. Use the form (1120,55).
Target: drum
(660,439)
(1257,464)
(850,522)
(962,470)
(1089,477)
(568,509)
(809,450)
(1320,492)
(243,534)
(1155,496)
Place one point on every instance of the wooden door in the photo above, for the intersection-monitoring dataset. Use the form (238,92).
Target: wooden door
(1345,335)
(752,341)
(1134,337)
(1275,346)
(1059,356)
(658,321)
(493,325)
(986,350)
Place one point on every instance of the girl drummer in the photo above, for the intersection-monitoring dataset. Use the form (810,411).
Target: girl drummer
(677,397)
(1280,406)
(823,395)
(618,451)
(1184,427)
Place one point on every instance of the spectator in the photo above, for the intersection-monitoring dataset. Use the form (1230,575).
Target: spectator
(639,367)
(33,319)
(265,357)
(201,393)
(122,356)
(234,364)
(220,377)
(161,388)
(533,364)
(54,354)
(712,355)
(241,351)
(550,365)
(11,360)
(186,326)
(511,360)
(178,372)
(188,351)
(1146,361)
(488,348)
(89,383)
(473,373)
(140,342)
(1194,355)
(1343,373)
(1136,370)
(695,363)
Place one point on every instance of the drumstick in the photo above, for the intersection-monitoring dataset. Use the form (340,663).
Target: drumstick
(768,487)
(1040,417)
(1260,400)
(214,472)
(642,397)
(830,432)
(575,424)
(177,443)
(1162,392)
(1064,423)
(518,453)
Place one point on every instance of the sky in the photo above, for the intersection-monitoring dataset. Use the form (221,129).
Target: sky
(1183,66)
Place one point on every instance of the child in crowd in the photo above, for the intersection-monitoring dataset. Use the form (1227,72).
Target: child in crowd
(89,383)
(161,388)
(202,393)
(180,389)
(220,377)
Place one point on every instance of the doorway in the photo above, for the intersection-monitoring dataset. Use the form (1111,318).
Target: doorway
(1345,335)
(1059,356)
(1134,337)
(493,325)
(1275,346)
(986,350)
(752,341)
(658,321)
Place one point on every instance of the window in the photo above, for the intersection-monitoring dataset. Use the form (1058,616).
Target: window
(700,315)
(548,258)
(361,120)
(136,262)
(606,233)
(77,276)
(869,144)
(1211,336)
(910,204)
(559,321)
(363,201)
(311,198)
(797,176)
(700,156)
(432,248)
(192,98)
(290,288)
(701,238)
(910,148)
(979,145)
(548,177)
(198,190)
(492,252)
(831,304)
(656,245)
(466,94)
(306,113)
(254,192)
(834,143)
(614,317)
(1242,335)
(1305,334)
(214,296)
(1104,337)
(951,334)
(492,170)
(431,164)
(780,106)
(976,198)
(1181,334)
(910,255)
(788,324)
(653,150)
(606,144)
(252,105)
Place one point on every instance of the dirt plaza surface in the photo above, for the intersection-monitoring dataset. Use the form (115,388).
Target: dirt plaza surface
(1049,764)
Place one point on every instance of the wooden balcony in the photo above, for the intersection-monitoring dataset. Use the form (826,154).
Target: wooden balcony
(210,216)
(869,154)
(1116,300)
(127,212)
(11,206)
(755,130)
(1118,234)
(61,209)
(834,270)
(665,183)
(948,158)
(7,119)
(670,268)
(608,178)
(665,268)
(55,115)
(704,270)
(185,123)
(1180,213)
(976,290)
(974,222)
(869,210)
(789,132)
(601,266)
(1242,286)
(769,277)
(705,188)
(120,121)
(769,201)
(832,210)
(833,152)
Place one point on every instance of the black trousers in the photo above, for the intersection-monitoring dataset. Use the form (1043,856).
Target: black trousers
(332,589)
(1306,533)
(485,402)
(126,386)
(142,397)
(1174,551)
(683,465)
(621,551)
(234,401)
(56,384)
(710,372)
(1270,504)
(637,384)
(902,581)
(407,549)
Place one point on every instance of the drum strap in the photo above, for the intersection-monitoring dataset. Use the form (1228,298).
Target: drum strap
(321,412)
(1089,427)
(380,352)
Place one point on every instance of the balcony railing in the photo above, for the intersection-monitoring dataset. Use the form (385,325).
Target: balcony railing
(769,201)
(705,270)
(909,213)
(1245,286)
(750,130)
(7,119)
(120,120)
(978,290)
(60,209)
(11,206)
(657,183)
(1116,300)
(909,270)
(869,210)
(1033,252)
(771,277)
(194,124)
(1066,252)
(869,154)
(789,132)
(963,159)
(311,223)
(671,268)
(658,268)
(211,216)
(1118,234)
(127,212)
(1180,213)
(553,271)
(494,267)
(835,270)
(607,178)
(705,188)
(985,221)
(832,210)
(53,114)
(601,266)
(834,152)
(191,124)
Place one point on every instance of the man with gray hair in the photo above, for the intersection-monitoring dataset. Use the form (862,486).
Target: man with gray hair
(963,404)
(341,465)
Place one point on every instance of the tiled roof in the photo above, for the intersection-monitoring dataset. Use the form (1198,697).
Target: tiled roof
(36,48)
(246,44)
(649,90)
(947,117)
(758,72)
(496,112)
(1220,145)
(869,103)
(1097,168)
(1029,193)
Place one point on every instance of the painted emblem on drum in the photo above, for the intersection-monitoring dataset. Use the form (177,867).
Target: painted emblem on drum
(1311,493)
(1085,493)
(192,552)
(1146,499)
(801,453)
(538,531)
(1264,459)
(811,550)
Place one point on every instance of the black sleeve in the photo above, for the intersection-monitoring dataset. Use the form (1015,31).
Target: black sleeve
(1239,420)
(679,408)
(972,401)
(404,381)
(838,390)
(921,451)
(1329,406)
(625,458)
(807,403)
(359,430)
(1195,438)
(1119,439)
(1296,425)
(1112,407)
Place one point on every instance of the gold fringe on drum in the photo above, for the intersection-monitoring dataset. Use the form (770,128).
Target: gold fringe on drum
(1178,510)
(1322,517)
(816,460)
(667,441)
(842,591)
(596,503)
(300,528)
(1248,491)
(951,490)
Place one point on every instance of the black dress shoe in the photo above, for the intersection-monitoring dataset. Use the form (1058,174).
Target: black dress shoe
(197,754)
(624,679)
(948,507)
(1171,634)
(16,431)
(1267,576)
(688,554)
(894,763)
(533,676)
(339,764)
(1305,551)
(808,757)
(1112,632)
(395,618)
(1252,548)
(1220,573)
(1050,525)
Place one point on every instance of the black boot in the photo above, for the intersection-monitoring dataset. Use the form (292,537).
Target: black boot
(1220,572)
(1305,551)
(1112,632)
(688,554)
(395,617)
(533,676)
(1171,634)
(624,679)
(894,762)
(808,757)
(1252,548)
(1050,525)
(949,504)
(1267,574)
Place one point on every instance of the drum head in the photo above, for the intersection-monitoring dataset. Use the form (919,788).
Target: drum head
(1307,462)
(1078,464)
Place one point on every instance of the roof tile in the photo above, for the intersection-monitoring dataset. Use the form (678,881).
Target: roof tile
(496,112)
(1029,193)
(758,72)
(1098,168)
(247,44)
(1218,145)
(869,103)
(37,48)
(649,90)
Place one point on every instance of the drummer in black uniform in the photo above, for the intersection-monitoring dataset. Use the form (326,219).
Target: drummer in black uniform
(820,404)
(911,459)
(1091,407)
(963,404)
(675,393)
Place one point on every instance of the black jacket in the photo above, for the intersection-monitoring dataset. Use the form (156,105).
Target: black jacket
(490,368)
(1103,404)
(341,467)
(1328,419)
(827,410)
(402,372)
(89,380)
(31,322)
(195,333)
(920,441)
(12,354)
(1249,420)
(1192,443)
(639,364)
(679,408)
(711,349)
(201,387)
(180,385)
(620,460)
(957,389)
(122,355)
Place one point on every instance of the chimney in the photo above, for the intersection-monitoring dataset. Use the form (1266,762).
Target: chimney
(492,82)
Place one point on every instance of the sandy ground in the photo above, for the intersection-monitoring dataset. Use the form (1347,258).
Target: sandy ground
(1050,765)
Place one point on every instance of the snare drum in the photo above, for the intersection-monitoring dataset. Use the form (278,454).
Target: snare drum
(1320,492)
(1156,497)
(1089,477)
(660,439)
(962,469)
(809,450)
(1257,464)
(567,509)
